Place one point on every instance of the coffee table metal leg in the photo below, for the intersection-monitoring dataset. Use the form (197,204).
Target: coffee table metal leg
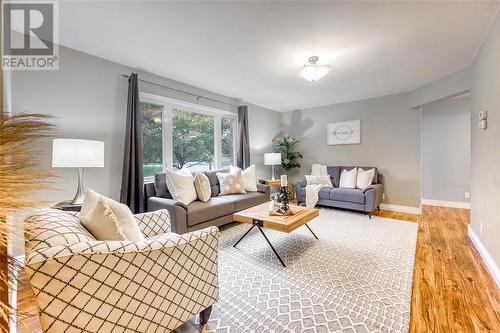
(312,232)
(244,235)
(272,247)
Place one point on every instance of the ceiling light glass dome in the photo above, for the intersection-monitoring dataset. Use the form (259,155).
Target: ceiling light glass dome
(312,71)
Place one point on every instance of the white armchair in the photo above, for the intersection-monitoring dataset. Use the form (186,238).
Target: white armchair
(155,285)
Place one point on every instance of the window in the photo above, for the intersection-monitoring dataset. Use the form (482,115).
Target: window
(227,142)
(193,140)
(152,138)
(180,135)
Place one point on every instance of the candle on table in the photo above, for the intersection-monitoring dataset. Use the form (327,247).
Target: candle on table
(284,180)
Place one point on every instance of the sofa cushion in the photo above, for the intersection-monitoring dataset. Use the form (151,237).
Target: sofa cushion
(161,188)
(324,193)
(334,172)
(198,211)
(214,181)
(244,201)
(348,194)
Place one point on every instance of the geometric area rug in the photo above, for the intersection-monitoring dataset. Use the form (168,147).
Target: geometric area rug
(356,278)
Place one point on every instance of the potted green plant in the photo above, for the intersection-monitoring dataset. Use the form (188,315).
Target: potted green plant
(289,158)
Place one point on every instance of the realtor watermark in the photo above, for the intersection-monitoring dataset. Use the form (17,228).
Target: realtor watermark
(30,34)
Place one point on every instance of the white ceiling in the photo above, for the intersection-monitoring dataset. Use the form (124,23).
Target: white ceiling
(253,50)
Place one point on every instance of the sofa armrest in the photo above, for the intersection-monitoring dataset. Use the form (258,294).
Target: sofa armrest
(263,188)
(177,211)
(157,273)
(373,196)
(298,191)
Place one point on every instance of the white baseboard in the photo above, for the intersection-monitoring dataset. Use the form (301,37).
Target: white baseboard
(488,260)
(401,209)
(441,203)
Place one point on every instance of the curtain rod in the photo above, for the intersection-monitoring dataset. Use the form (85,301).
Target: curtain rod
(184,92)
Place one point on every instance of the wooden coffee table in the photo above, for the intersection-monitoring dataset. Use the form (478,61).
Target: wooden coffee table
(259,217)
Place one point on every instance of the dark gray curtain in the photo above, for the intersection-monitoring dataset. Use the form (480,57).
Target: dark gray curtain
(243,159)
(132,191)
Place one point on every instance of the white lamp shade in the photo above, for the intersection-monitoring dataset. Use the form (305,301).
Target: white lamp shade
(272,158)
(76,153)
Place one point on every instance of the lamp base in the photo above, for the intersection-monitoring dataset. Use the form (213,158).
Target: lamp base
(80,192)
(272,177)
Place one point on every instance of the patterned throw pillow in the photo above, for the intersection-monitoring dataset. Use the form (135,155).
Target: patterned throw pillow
(202,186)
(231,183)
(107,219)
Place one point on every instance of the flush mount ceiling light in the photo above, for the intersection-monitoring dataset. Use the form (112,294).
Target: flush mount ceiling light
(312,71)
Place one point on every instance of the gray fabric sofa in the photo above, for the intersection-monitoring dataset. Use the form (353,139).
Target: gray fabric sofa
(366,200)
(198,215)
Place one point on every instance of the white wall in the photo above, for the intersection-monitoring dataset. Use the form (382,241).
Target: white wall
(442,88)
(446,150)
(390,141)
(88,97)
(485,148)
(264,126)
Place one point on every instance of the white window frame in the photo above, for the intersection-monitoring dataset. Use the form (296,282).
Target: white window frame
(169,104)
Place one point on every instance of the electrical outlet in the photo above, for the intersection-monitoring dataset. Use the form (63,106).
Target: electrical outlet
(481,228)
(383,196)
(466,195)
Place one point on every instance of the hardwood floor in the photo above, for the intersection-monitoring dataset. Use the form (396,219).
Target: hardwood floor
(452,289)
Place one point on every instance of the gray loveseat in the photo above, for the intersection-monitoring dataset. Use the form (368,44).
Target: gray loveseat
(366,200)
(198,215)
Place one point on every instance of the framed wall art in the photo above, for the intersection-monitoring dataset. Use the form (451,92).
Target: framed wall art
(344,133)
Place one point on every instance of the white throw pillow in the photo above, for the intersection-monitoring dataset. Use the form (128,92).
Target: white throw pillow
(107,219)
(231,183)
(319,180)
(202,186)
(364,178)
(249,178)
(348,178)
(181,186)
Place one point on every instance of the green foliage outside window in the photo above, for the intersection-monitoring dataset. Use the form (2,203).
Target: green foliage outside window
(193,139)
(227,136)
(152,138)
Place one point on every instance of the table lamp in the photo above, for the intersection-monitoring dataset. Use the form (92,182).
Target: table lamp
(272,159)
(79,154)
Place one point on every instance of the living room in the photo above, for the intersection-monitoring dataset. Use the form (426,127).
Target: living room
(295,166)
